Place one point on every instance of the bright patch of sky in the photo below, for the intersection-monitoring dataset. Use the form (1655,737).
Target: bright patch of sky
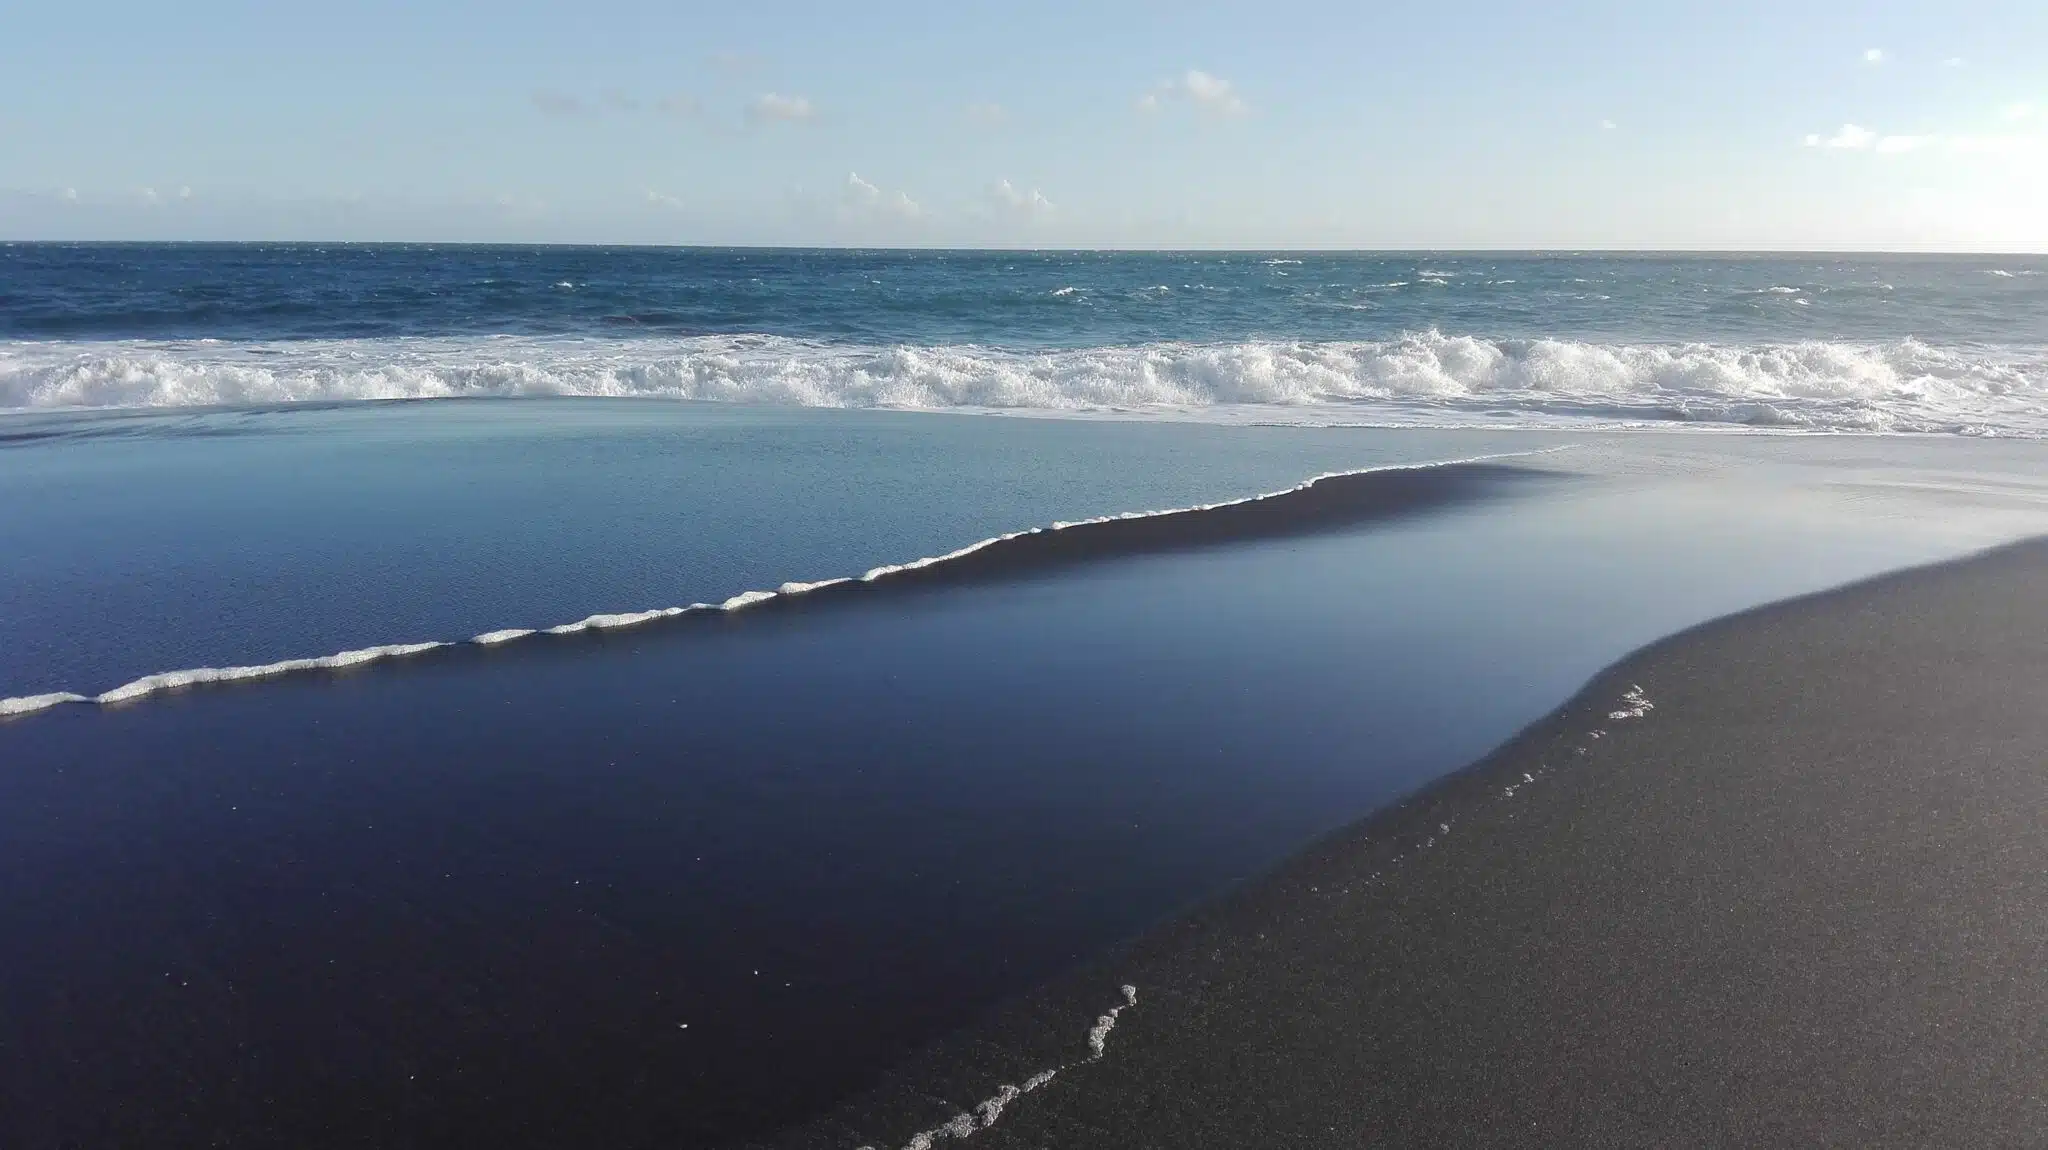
(1293,123)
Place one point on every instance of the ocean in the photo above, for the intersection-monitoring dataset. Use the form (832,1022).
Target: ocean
(1822,342)
(489,696)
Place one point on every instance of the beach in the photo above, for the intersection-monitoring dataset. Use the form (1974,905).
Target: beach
(1777,880)
(502,696)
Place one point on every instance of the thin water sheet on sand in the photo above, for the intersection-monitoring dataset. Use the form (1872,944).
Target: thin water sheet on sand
(1781,880)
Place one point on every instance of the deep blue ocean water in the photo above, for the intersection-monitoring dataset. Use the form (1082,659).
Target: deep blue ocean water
(1914,343)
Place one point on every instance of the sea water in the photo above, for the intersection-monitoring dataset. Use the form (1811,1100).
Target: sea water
(1880,343)
(679,882)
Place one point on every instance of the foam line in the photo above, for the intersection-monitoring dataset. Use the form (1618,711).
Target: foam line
(1331,499)
(985,1113)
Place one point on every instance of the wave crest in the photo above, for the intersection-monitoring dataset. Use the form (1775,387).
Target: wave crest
(1420,378)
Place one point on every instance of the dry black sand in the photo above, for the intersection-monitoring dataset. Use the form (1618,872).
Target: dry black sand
(1801,900)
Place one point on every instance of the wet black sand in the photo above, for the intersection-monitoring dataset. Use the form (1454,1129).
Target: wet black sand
(1801,900)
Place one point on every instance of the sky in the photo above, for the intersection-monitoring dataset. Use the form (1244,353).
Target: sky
(1285,123)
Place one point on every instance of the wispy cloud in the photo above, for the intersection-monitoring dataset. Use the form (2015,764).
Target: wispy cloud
(663,200)
(988,115)
(867,199)
(1205,91)
(1873,55)
(1852,138)
(773,107)
(1018,203)
(1608,125)
(1952,62)
(1848,136)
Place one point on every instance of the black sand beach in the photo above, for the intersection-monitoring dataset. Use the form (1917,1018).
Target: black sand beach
(1794,891)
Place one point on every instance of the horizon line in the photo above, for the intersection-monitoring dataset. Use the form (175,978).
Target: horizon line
(1044,248)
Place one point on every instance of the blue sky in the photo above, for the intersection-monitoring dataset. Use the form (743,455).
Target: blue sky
(1469,123)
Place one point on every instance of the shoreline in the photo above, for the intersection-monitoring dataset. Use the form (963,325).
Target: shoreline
(1329,501)
(1792,891)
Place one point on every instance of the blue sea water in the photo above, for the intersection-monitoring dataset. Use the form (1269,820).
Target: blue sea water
(678,880)
(1843,342)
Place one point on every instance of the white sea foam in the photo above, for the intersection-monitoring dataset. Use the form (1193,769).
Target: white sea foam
(193,676)
(1424,378)
(30,704)
(174,680)
(493,638)
(1634,705)
(984,1115)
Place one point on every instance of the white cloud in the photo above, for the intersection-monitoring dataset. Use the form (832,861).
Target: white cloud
(1854,138)
(2019,111)
(1208,92)
(149,196)
(1873,55)
(185,193)
(869,199)
(1019,203)
(71,195)
(1850,136)
(1608,125)
(1952,62)
(1213,92)
(773,106)
(987,114)
(662,200)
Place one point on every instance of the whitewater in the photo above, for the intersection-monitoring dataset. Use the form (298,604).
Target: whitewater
(1425,378)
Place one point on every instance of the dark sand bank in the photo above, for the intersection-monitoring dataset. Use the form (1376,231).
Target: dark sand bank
(1802,898)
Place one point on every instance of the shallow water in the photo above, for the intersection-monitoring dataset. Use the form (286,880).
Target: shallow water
(683,883)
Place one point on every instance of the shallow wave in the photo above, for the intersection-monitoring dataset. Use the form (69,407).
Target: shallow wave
(1325,500)
(1425,378)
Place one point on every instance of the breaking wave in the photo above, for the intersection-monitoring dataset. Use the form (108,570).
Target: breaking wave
(1420,379)
(1325,501)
